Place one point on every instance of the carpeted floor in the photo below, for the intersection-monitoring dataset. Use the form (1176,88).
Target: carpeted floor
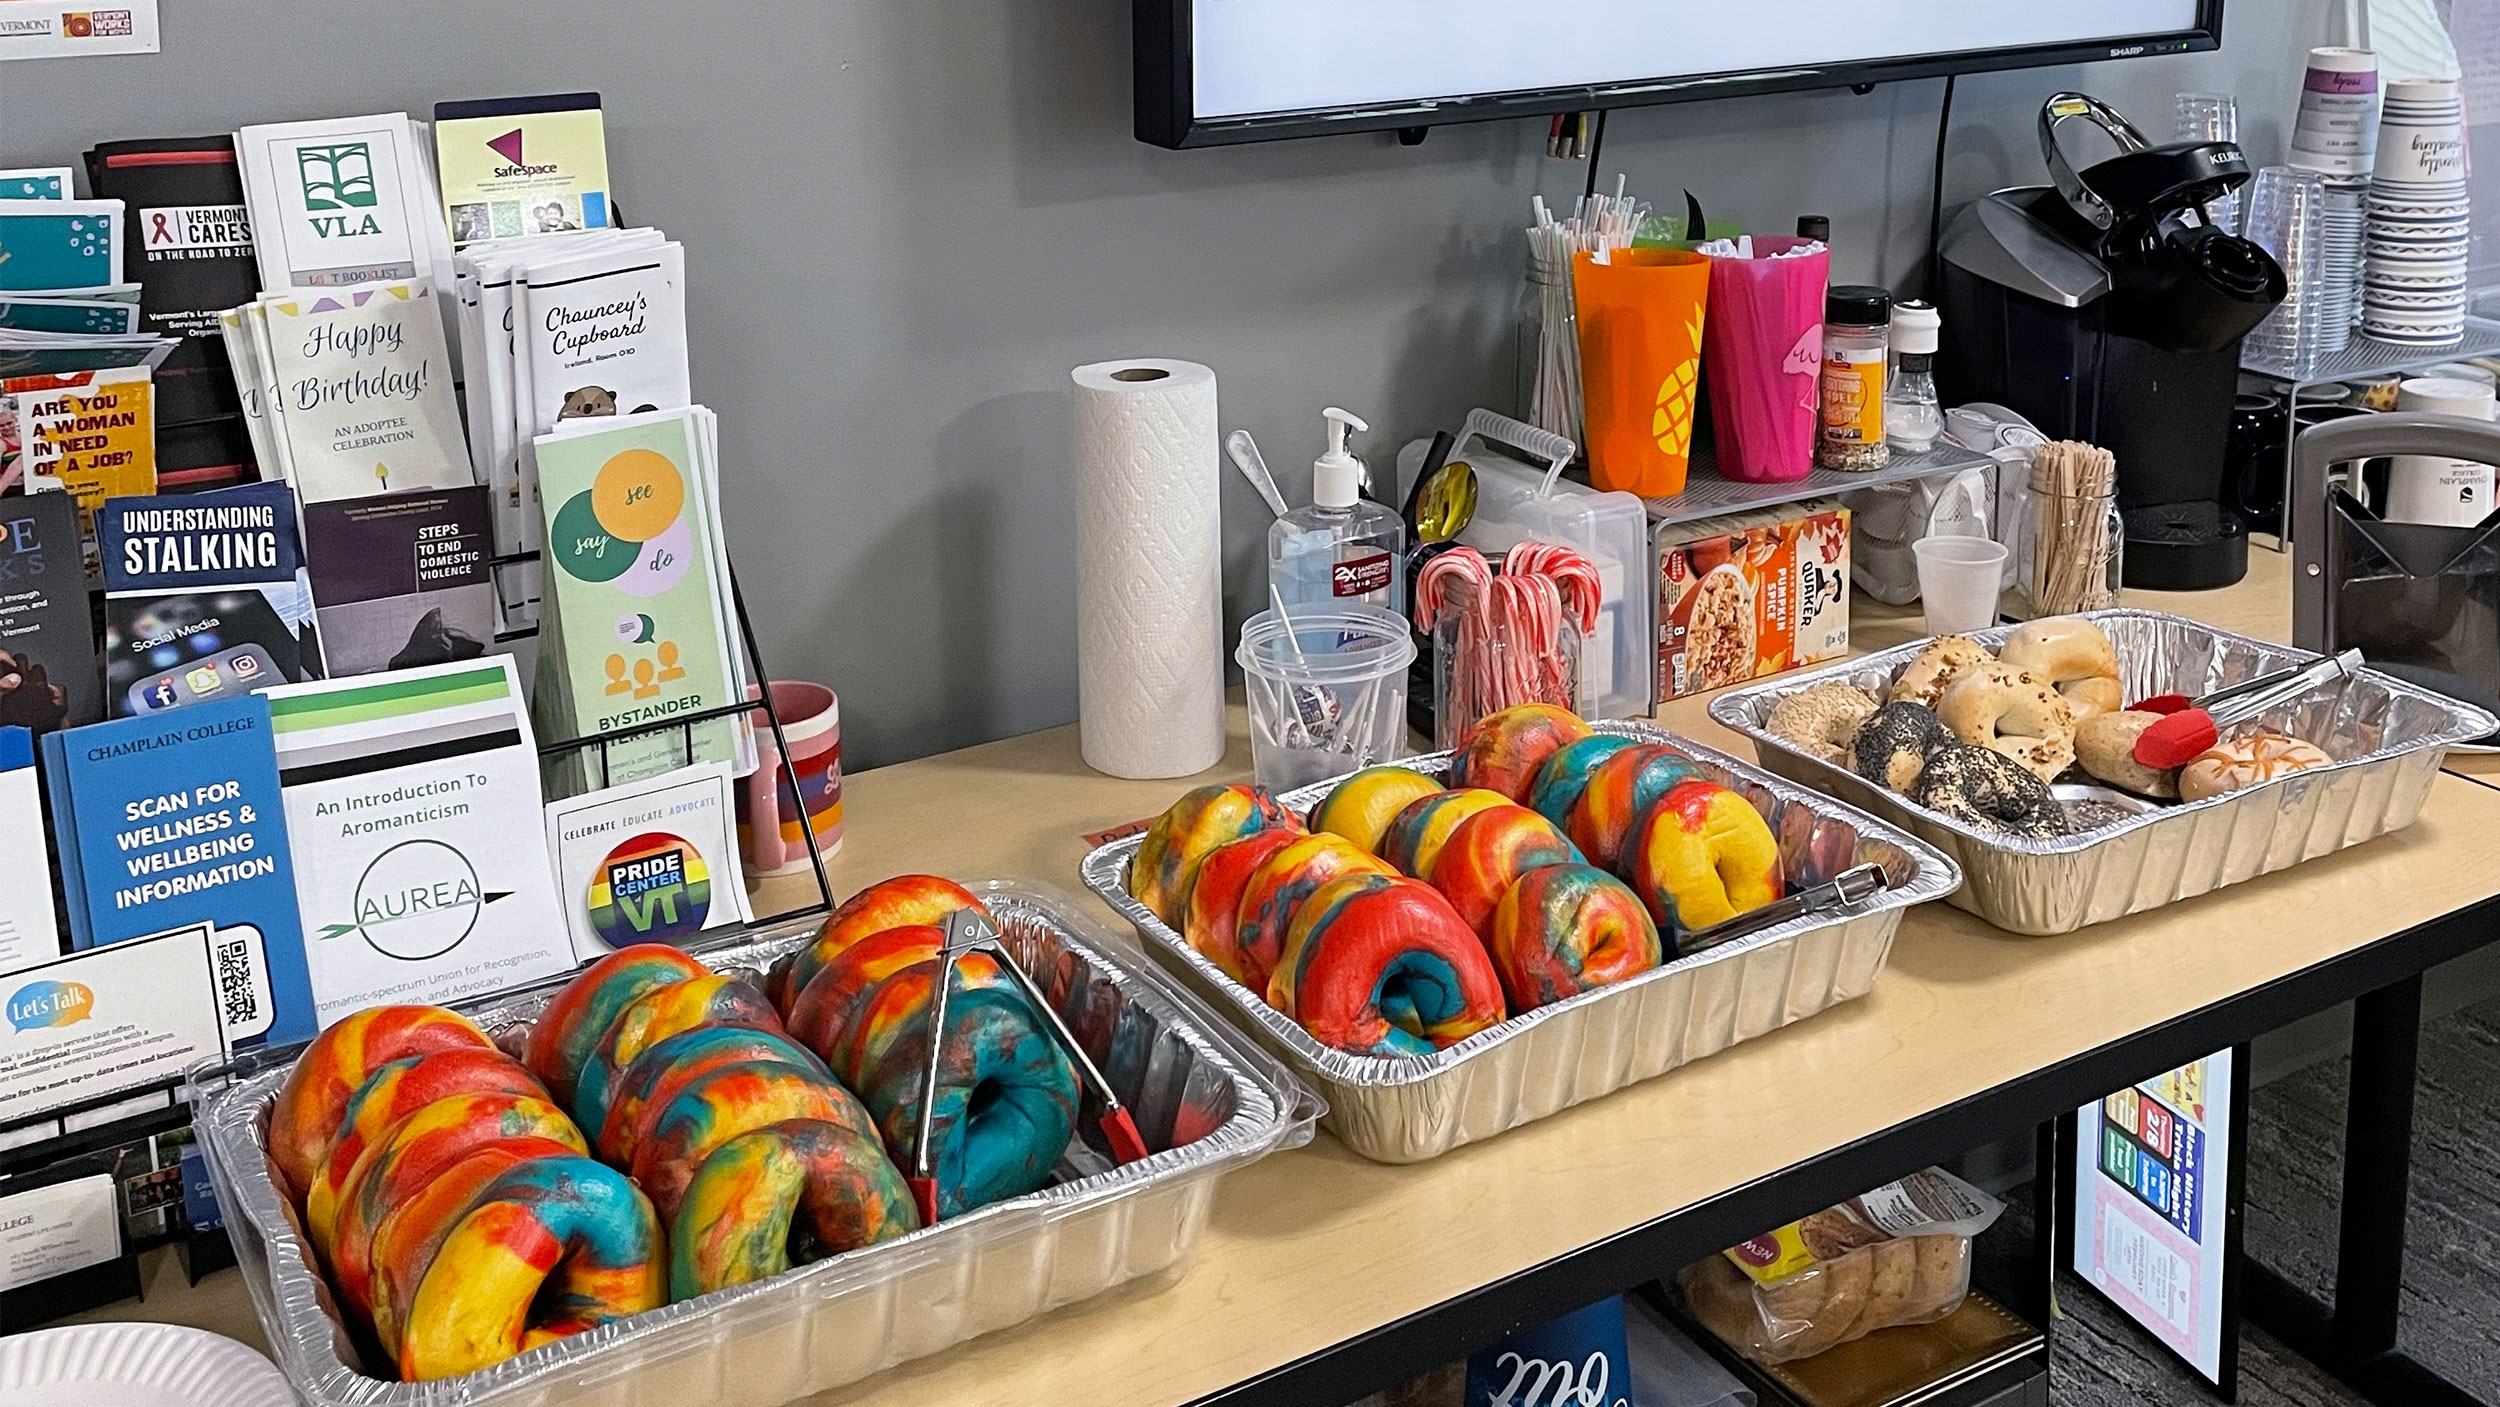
(2452,1241)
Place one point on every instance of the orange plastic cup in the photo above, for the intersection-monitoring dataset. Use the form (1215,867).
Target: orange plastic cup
(1640,364)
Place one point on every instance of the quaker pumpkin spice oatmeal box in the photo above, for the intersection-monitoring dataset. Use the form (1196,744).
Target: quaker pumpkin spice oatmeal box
(1751,594)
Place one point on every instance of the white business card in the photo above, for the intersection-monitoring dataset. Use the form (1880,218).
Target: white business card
(57,1229)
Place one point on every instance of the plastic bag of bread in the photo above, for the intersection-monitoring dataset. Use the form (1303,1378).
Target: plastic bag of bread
(1897,1255)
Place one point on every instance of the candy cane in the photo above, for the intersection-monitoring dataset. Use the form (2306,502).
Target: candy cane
(1507,645)
(1581,592)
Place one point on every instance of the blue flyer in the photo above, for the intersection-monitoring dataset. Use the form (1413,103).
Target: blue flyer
(176,820)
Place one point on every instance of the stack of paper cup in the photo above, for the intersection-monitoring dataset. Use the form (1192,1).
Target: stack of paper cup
(2420,218)
(2430,489)
(2336,133)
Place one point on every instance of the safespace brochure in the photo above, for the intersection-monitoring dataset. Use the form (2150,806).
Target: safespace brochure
(517,167)
(410,798)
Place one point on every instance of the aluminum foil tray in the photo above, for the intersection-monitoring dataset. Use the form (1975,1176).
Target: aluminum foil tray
(2387,737)
(1407,1109)
(1207,1100)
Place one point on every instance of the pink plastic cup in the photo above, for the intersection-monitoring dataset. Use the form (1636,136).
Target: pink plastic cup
(1764,348)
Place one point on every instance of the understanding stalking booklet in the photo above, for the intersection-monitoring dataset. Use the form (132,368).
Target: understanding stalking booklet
(205,597)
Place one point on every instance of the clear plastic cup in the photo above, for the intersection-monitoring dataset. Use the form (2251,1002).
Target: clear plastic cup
(1327,695)
(1958,582)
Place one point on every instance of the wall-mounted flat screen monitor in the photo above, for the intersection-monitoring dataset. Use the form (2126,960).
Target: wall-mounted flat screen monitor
(1217,71)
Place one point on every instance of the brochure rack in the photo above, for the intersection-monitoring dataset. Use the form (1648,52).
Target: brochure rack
(139,1136)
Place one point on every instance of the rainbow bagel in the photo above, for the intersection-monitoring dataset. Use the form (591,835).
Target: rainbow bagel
(1278,888)
(404,1242)
(905,901)
(1166,863)
(1416,834)
(1504,749)
(394,1092)
(716,1107)
(415,1151)
(1488,851)
(784,1195)
(1702,856)
(550,1248)
(824,1012)
(657,1015)
(668,1066)
(1359,807)
(1213,923)
(569,1029)
(1007,1096)
(1620,789)
(1566,774)
(1381,965)
(1565,929)
(306,1118)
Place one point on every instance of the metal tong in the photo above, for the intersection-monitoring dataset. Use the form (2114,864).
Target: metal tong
(967,931)
(2181,735)
(1854,885)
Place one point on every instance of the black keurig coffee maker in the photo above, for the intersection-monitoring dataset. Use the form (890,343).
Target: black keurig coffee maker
(2106,308)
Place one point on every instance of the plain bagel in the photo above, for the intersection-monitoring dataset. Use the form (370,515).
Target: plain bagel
(2073,657)
(2005,710)
(1936,667)
(2105,745)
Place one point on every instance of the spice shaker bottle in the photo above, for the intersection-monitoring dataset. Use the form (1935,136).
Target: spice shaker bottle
(1857,342)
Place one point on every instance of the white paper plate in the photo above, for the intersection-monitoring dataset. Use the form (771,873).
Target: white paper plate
(127,1365)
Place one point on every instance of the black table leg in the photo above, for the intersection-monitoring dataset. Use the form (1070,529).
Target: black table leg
(2378,1169)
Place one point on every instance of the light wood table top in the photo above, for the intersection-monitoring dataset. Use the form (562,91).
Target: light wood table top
(1310,1248)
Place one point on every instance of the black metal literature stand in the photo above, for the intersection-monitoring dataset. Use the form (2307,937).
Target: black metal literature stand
(134,1148)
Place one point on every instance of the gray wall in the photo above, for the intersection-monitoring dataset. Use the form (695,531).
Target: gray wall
(906,221)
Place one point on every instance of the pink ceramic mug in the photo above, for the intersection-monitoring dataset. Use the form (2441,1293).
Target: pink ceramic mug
(806,790)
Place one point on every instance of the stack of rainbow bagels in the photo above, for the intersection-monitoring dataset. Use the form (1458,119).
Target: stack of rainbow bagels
(665,1131)
(1406,916)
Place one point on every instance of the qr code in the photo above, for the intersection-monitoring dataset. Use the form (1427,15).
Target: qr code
(235,988)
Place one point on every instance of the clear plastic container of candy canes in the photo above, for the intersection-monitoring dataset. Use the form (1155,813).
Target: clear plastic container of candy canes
(1507,637)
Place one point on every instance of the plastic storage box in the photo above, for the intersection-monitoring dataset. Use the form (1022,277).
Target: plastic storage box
(1517,501)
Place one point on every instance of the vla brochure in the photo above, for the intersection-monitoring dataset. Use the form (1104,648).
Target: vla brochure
(654,861)
(520,167)
(29,929)
(403,794)
(205,597)
(638,579)
(402,578)
(337,202)
(171,821)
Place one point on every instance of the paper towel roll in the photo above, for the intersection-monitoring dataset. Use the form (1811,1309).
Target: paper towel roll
(1149,569)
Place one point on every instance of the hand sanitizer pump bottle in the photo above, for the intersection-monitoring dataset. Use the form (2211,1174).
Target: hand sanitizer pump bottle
(1342,548)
